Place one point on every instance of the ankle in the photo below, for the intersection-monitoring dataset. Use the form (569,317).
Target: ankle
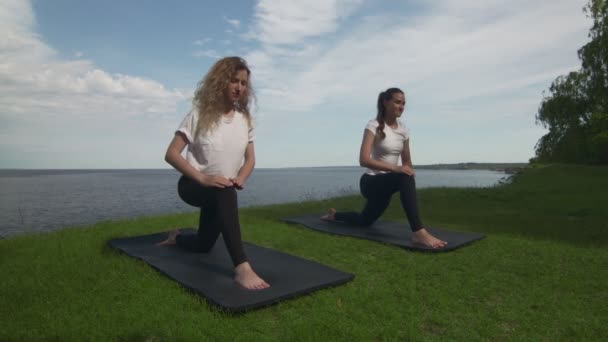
(421,232)
(243,267)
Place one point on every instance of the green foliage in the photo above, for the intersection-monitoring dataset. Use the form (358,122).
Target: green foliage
(594,56)
(598,137)
(576,110)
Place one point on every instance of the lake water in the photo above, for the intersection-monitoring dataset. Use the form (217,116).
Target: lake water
(45,200)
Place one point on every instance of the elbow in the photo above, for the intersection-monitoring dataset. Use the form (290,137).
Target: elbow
(169,157)
(363,162)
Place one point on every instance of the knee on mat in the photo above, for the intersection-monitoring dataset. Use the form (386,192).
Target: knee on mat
(205,248)
(367,222)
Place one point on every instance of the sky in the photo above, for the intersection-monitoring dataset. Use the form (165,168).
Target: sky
(104,84)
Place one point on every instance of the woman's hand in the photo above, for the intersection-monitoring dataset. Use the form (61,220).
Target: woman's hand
(214,181)
(238,182)
(405,169)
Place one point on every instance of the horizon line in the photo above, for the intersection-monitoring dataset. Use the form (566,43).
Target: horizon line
(259,168)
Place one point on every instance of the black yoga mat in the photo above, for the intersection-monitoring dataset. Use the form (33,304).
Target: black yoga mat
(211,274)
(394,233)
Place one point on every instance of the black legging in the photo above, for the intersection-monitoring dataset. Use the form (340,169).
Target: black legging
(219,214)
(378,190)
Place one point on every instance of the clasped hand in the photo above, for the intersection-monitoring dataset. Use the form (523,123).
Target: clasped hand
(405,169)
(222,182)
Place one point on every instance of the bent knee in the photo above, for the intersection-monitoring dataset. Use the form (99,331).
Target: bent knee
(226,194)
(406,179)
(405,176)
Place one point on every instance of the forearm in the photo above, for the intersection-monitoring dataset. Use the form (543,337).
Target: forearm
(180,164)
(246,169)
(406,156)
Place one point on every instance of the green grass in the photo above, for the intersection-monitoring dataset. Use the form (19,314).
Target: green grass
(540,274)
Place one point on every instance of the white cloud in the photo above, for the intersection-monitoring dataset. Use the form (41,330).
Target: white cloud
(50,106)
(441,50)
(206,53)
(448,58)
(467,67)
(19,42)
(34,80)
(202,41)
(282,22)
(233,22)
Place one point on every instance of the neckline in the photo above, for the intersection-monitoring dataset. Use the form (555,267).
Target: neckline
(396,125)
(228,118)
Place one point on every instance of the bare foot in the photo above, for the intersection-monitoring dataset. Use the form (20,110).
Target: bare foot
(330,216)
(247,278)
(423,237)
(170,239)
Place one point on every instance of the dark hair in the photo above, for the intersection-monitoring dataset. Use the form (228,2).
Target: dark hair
(384,96)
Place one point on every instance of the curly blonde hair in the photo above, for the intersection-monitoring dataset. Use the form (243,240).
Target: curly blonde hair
(209,96)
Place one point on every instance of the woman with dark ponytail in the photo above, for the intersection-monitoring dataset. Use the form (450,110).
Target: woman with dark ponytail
(385,140)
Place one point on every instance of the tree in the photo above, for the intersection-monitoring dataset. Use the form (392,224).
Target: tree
(576,111)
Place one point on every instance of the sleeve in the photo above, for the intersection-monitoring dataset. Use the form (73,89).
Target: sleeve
(251,134)
(405,131)
(372,126)
(188,125)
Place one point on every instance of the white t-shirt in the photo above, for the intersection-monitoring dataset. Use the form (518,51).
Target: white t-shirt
(388,149)
(220,151)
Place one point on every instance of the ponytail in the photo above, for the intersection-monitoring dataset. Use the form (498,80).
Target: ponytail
(380,117)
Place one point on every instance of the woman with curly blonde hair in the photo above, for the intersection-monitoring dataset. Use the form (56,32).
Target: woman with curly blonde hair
(220,157)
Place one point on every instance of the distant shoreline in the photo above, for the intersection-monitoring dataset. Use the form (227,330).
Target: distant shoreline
(509,168)
(503,167)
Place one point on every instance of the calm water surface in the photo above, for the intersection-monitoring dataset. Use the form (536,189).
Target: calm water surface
(46,200)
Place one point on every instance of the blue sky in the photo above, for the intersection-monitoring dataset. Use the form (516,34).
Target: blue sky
(104,84)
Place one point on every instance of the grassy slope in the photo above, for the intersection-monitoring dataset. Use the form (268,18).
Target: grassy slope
(539,275)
